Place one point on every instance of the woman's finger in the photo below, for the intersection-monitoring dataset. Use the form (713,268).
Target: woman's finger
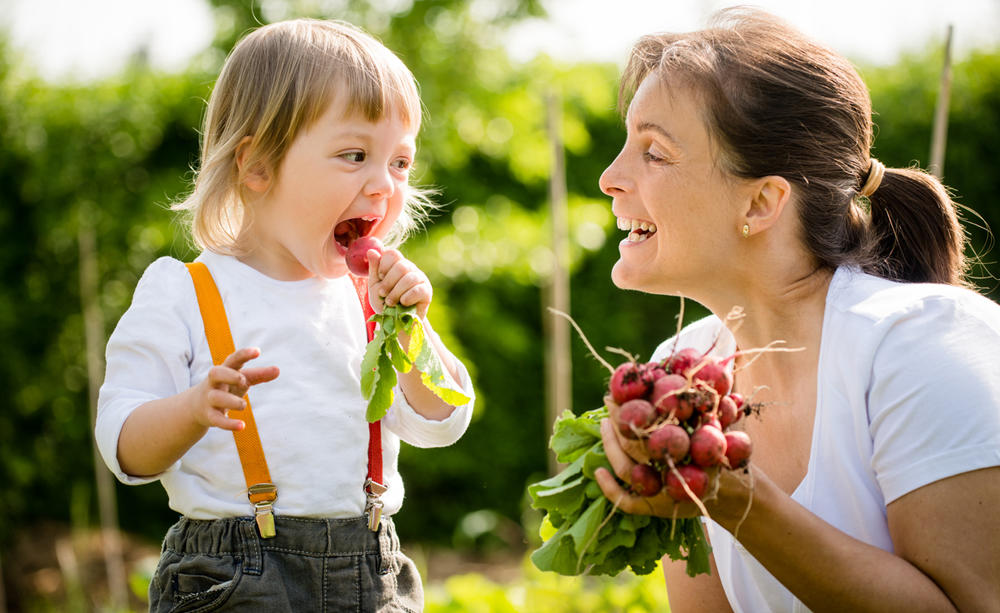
(620,461)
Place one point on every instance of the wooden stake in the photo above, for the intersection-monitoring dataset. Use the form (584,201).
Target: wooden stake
(558,367)
(939,133)
(93,325)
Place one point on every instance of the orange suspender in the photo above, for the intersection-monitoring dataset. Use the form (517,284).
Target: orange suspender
(260,490)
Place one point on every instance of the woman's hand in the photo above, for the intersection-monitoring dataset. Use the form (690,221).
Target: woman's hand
(618,449)
(624,453)
(224,388)
(393,279)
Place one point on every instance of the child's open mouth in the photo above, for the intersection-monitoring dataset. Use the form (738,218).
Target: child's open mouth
(346,232)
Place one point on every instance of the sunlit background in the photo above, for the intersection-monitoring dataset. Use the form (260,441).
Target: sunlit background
(99,112)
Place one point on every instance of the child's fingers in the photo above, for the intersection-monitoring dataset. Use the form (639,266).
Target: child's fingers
(261,374)
(220,419)
(225,377)
(238,358)
(413,282)
(380,265)
(219,400)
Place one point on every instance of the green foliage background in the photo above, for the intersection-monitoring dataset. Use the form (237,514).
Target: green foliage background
(115,154)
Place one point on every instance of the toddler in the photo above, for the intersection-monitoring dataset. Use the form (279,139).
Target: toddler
(308,142)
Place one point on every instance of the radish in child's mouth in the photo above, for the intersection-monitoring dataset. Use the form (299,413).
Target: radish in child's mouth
(348,231)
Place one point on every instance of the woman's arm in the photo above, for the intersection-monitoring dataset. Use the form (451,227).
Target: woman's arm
(947,535)
(694,594)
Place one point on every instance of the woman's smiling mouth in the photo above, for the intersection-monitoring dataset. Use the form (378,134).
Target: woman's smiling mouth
(637,229)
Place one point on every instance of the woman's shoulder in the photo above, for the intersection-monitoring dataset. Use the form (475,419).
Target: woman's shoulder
(877,299)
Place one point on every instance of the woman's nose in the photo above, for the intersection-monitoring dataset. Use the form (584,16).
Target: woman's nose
(611,181)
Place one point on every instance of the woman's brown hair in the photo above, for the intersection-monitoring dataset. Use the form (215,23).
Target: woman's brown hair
(777,103)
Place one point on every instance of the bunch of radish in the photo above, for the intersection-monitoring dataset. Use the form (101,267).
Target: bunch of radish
(677,415)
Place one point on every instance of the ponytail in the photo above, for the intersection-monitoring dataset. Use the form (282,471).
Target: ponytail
(914,232)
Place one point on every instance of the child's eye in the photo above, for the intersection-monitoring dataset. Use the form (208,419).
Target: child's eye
(354,156)
(403,163)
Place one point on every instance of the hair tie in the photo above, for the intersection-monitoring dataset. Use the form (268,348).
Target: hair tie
(876,170)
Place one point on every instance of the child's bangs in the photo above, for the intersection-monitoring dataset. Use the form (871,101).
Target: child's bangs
(374,98)
(370,79)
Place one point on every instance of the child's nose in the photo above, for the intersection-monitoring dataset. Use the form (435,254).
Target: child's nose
(380,184)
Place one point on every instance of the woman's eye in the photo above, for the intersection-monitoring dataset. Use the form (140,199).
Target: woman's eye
(354,156)
(652,157)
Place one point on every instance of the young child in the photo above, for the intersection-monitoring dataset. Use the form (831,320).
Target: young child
(308,142)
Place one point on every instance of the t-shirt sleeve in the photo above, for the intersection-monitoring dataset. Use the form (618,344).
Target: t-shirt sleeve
(147,356)
(419,431)
(934,401)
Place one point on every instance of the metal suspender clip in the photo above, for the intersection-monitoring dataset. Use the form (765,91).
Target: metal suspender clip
(373,505)
(263,509)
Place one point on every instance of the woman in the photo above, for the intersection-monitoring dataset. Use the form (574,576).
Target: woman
(746,180)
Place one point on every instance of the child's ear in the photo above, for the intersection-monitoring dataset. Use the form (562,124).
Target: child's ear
(256,178)
(768,198)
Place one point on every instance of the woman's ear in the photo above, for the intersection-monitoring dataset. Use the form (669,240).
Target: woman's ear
(256,178)
(768,197)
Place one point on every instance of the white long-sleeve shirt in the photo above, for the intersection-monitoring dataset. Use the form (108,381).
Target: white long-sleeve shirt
(908,393)
(311,419)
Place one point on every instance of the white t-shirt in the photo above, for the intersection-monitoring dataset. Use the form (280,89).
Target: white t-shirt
(311,419)
(908,393)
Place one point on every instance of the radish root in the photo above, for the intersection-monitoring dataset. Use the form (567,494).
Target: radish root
(586,342)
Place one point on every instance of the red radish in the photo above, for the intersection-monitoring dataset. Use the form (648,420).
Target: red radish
(645,480)
(683,360)
(728,412)
(715,375)
(653,371)
(668,441)
(357,254)
(685,407)
(708,446)
(695,478)
(738,448)
(712,421)
(665,395)
(635,415)
(738,399)
(628,382)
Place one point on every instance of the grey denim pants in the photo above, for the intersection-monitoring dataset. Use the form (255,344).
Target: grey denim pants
(322,565)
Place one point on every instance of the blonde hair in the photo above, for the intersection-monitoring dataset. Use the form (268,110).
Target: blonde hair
(275,83)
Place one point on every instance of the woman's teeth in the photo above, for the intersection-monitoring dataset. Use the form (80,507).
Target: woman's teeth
(638,231)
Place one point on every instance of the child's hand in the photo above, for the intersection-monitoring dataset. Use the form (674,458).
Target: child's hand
(224,388)
(392,279)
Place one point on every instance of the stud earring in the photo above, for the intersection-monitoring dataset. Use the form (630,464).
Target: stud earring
(746,230)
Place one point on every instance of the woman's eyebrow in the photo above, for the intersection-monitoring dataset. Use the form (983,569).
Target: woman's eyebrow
(647,126)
